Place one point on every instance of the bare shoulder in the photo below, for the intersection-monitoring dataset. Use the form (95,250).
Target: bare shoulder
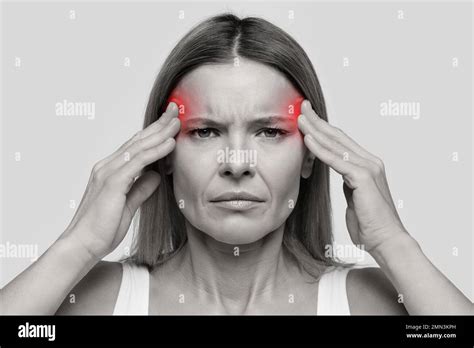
(370,292)
(96,293)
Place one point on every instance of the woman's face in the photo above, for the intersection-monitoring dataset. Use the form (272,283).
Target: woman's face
(239,154)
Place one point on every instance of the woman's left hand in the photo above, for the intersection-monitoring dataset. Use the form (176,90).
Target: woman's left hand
(371,216)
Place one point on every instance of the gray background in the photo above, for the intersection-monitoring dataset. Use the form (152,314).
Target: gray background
(82,60)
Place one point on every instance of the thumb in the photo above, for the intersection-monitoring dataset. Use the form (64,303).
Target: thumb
(142,189)
(348,194)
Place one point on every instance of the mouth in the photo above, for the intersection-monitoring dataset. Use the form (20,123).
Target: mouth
(237,204)
(237,196)
(237,200)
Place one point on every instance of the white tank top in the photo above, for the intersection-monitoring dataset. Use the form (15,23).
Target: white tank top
(134,292)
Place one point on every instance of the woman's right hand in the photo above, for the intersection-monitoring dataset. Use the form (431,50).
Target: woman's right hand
(113,195)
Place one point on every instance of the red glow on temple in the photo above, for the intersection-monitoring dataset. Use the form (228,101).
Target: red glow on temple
(293,108)
(183,103)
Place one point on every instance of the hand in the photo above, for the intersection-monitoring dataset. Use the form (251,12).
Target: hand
(112,195)
(371,216)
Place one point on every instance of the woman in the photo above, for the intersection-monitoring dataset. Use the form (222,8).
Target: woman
(234,201)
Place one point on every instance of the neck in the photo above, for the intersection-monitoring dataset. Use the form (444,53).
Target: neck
(234,276)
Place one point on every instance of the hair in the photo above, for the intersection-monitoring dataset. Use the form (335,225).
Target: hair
(161,229)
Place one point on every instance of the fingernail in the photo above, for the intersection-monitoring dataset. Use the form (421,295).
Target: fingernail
(171,106)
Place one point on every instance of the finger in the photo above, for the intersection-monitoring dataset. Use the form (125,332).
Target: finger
(353,175)
(328,157)
(334,132)
(161,123)
(157,126)
(385,189)
(348,195)
(348,155)
(330,144)
(155,139)
(166,117)
(142,189)
(127,173)
(145,144)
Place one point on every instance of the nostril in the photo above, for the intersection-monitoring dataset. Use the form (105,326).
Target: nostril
(236,173)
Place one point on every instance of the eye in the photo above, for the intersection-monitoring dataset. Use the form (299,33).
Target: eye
(203,132)
(273,132)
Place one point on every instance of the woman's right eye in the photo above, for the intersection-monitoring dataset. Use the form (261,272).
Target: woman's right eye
(203,132)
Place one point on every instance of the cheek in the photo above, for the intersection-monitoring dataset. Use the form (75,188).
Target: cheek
(192,170)
(282,169)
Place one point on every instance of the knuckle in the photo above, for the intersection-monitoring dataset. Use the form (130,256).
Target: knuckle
(339,131)
(363,175)
(137,136)
(140,157)
(96,167)
(328,142)
(379,163)
(97,172)
(378,166)
(375,169)
(99,165)
(111,181)
(98,178)
(139,144)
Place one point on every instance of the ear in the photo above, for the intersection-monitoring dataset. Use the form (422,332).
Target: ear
(308,162)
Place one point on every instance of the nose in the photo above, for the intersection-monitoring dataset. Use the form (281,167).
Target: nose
(237,169)
(236,161)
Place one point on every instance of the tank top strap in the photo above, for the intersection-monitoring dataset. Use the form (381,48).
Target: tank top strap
(332,293)
(134,290)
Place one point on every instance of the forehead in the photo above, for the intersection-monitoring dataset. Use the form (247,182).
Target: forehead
(246,89)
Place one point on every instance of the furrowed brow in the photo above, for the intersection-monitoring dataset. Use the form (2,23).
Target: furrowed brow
(270,120)
(260,122)
(208,122)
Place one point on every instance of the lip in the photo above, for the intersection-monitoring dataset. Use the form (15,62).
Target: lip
(237,204)
(236,196)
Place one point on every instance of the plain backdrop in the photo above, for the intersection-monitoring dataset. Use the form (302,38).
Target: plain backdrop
(364,53)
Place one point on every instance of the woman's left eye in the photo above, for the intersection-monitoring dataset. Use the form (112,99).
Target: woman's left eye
(272,132)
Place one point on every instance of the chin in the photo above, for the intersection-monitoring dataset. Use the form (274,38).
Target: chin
(237,231)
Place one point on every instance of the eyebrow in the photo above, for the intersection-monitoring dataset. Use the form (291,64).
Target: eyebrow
(260,122)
